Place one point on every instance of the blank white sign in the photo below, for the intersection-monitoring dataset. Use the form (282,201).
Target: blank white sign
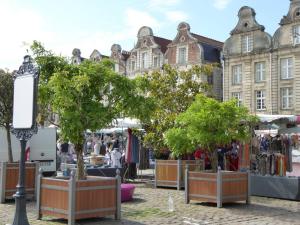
(23,102)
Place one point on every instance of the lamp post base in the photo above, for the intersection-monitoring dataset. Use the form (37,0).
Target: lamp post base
(20,214)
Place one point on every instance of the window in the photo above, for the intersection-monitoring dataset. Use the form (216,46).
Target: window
(116,67)
(286,68)
(296,34)
(260,72)
(238,97)
(260,100)
(297,13)
(155,62)
(286,98)
(210,79)
(182,55)
(237,74)
(132,65)
(247,43)
(144,60)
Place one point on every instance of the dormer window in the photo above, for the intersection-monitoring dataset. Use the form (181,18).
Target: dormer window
(144,60)
(132,65)
(296,34)
(182,56)
(155,62)
(247,43)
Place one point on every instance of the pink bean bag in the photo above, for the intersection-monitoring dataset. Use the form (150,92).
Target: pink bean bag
(127,192)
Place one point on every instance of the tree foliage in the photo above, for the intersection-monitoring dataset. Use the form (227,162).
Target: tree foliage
(85,96)
(6,106)
(172,91)
(209,123)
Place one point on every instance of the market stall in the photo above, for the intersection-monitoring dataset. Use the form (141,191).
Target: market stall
(275,152)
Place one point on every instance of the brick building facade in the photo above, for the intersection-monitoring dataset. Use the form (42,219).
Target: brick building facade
(151,52)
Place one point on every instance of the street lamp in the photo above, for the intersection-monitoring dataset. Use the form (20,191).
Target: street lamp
(24,126)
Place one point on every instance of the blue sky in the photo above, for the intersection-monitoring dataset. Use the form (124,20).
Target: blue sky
(62,25)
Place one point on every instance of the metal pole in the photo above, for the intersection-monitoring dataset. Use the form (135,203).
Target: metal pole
(20,196)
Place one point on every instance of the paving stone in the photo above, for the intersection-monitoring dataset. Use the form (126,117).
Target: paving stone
(150,206)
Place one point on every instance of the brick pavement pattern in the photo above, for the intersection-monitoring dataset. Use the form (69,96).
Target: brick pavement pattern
(150,206)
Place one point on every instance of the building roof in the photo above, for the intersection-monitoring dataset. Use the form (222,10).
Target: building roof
(209,41)
(211,47)
(162,42)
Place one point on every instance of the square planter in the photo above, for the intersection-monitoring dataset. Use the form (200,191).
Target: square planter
(9,175)
(170,173)
(221,187)
(79,199)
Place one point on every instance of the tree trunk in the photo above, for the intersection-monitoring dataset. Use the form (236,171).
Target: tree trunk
(80,163)
(9,149)
(214,161)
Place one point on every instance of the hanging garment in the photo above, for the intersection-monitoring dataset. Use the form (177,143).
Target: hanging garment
(128,147)
(289,166)
(135,149)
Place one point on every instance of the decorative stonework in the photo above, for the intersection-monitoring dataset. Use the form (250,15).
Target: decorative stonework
(247,21)
(145,31)
(293,14)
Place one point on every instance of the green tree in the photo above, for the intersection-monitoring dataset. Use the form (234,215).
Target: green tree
(172,91)
(86,96)
(48,63)
(210,123)
(6,106)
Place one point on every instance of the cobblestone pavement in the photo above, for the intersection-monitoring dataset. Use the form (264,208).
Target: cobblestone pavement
(150,206)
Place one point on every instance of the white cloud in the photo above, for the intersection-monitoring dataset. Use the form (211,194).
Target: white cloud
(19,26)
(103,40)
(176,16)
(135,19)
(221,4)
(163,3)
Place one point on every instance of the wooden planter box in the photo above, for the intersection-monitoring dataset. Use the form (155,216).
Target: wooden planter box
(9,175)
(72,200)
(221,187)
(170,173)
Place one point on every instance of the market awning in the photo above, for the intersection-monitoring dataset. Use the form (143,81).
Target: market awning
(264,118)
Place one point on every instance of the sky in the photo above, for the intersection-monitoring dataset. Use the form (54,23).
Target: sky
(62,25)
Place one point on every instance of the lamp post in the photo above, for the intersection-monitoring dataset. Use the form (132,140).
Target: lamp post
(24,126)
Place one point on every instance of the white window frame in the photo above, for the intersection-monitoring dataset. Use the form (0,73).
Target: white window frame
(296,34)
(247,43)
(260,71)
(144,60)
(260,100)
(238,97)
(179,57)
(117,67)
(286,98)
(237,74)
(132,64)
(286,68)
(156,62)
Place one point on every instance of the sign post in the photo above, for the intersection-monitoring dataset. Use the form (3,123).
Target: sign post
(24,126)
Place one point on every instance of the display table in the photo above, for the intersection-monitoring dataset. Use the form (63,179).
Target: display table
(104,171)
(275,186)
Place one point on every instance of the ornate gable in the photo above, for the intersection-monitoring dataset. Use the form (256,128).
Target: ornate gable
(96,56)
(293,14)
(183,34)
(247,21)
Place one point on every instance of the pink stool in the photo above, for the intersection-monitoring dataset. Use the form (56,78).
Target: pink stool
(127,192)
